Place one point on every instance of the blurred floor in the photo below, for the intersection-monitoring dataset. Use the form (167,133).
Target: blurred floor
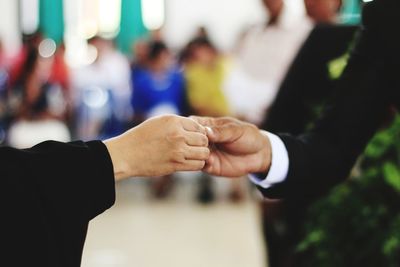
(139,231)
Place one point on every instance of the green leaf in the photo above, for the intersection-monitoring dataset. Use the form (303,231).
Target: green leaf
(391,245)
(392,175)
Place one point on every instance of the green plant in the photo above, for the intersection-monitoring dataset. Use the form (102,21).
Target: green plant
(358,223)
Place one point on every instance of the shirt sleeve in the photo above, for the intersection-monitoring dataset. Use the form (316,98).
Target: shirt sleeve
(279,164)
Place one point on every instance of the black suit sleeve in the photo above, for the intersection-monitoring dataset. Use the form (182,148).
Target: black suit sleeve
(324,156)
(50,192)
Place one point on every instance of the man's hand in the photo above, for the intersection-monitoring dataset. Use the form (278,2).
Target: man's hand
(159,146)
(238,148)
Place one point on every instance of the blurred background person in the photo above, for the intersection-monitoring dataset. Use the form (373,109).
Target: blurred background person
(205,73)
(265,54)
(29,42)
(59,71)
(139,64)
(102,92)
(38,105)
(307,85)
(159,88)
(140,54)
(201,33)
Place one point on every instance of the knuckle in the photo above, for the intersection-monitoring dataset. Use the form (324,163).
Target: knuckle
(178,156)
(177,138)
(171,120)
(180,139)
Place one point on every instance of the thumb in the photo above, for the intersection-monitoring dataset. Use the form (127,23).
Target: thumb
(226,133)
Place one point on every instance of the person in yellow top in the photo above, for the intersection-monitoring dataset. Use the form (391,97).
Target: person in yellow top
(205,72)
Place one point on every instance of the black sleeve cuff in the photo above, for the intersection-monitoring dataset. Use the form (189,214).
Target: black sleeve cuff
(102,180)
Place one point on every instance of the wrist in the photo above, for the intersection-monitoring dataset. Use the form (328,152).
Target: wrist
(120,166)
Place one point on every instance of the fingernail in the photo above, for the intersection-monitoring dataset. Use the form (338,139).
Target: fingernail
(209,130)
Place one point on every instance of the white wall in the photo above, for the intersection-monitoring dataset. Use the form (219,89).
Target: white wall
(225,19)
(9,31)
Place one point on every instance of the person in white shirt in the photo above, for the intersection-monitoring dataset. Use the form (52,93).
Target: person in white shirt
(102,90)
(263,58)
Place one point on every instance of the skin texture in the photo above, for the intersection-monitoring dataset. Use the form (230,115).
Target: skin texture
(159,146)
(238,148)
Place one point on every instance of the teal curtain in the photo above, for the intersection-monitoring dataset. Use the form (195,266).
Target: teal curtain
(351,12)
(51,19)
(132,27)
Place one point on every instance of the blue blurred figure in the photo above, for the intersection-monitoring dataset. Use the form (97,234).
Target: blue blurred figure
(159,86)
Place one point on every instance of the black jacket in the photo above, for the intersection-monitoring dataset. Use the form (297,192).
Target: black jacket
(49,194)
(368,87)
(308,82)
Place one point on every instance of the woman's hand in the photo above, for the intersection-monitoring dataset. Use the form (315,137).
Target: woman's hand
(159,146)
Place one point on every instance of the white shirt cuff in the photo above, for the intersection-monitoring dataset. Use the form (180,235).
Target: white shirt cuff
(279,163)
